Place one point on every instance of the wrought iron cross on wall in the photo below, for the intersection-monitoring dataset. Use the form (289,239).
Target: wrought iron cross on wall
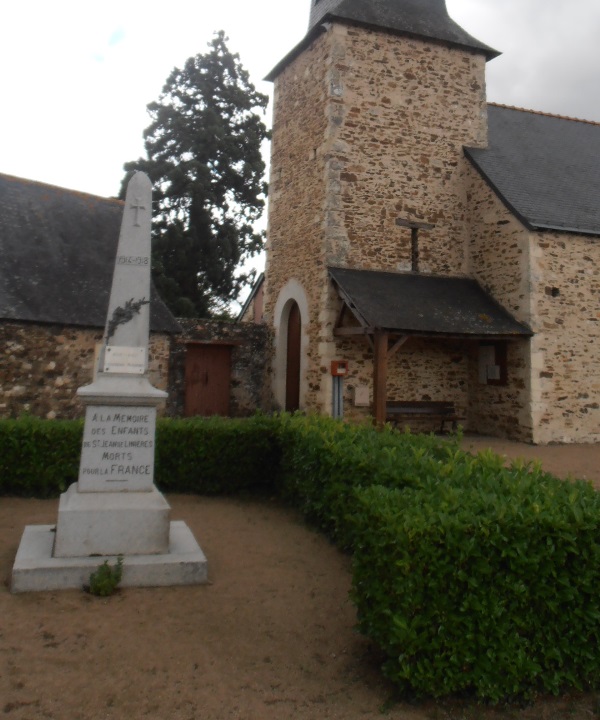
(414,238)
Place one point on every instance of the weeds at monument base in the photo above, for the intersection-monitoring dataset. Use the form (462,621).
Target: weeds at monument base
(105,580)
(473,578)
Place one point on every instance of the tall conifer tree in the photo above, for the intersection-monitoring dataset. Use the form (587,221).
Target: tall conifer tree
(204,159)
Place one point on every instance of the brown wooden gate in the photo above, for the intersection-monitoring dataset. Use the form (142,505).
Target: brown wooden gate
(207,379)
(292,373)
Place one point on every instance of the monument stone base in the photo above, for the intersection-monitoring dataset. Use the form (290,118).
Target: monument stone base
(111,523)
(37,569)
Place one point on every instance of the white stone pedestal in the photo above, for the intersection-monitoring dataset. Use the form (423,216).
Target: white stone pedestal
(112,512)
(36,569)
(108,523)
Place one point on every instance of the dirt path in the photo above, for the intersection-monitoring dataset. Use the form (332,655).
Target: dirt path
(271,638)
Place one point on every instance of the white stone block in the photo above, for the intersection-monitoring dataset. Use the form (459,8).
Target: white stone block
(111,524)
(35,568)
(361,396)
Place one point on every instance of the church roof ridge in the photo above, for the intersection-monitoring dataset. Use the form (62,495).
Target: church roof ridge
(544,113)
(543,167)
(58,249)
(51,186)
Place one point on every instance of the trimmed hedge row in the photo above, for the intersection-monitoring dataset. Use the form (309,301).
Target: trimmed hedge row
(472,577)
(489,589)
(40,458)
(324,461)
(216,455)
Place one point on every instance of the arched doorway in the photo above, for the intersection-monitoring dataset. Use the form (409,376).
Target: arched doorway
(292,368)
(290,320)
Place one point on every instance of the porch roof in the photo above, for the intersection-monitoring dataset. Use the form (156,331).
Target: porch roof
(427,305)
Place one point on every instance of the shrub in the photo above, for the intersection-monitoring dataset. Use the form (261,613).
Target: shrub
(472,577)
(201,455)
(483,580)
(216,455)
(325,460)
(38,458)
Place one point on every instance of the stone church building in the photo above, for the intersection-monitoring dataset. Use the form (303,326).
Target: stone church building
(423,245)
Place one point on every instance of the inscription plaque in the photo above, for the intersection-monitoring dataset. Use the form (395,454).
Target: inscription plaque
(121,359)
(118,449)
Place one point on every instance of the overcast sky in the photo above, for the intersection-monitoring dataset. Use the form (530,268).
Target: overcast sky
(77,75)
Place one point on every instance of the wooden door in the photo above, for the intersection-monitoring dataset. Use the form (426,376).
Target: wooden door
(207,380)
(292,371)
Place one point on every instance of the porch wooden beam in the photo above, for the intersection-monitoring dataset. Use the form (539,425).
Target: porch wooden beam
(380,358)
(397,345)
(350,305)
(345,331)
(340,316)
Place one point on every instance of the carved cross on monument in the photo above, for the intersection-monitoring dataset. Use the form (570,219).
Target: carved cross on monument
(137,207)
(414,238)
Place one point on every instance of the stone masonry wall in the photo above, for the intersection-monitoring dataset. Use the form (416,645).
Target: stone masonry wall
(502,410)
(551,282)
(297,197)
(250,363)
(41,367)
(566,348)
(422,369)
(368,127)
(499,259)
(401,112)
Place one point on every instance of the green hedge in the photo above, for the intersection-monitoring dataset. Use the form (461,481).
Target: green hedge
(217,455)
(484,580)
(324,461)
(472,577)
(39,458)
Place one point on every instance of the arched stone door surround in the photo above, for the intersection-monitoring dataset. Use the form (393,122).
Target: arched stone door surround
(291,319)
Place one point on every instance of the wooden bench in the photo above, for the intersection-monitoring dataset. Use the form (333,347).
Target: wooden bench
(442,410)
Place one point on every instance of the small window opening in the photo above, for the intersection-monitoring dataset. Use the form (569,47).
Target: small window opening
(493,363)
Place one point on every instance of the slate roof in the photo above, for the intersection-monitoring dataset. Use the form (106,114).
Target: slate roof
(426,19)
(255,288)
(545,168)
(416,304)
(57,255)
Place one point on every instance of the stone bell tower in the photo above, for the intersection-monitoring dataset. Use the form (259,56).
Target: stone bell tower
(371,113)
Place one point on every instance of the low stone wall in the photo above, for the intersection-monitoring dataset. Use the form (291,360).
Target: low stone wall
(41,367)
(250,363)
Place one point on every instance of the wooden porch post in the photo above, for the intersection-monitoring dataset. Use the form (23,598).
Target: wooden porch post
(380,376)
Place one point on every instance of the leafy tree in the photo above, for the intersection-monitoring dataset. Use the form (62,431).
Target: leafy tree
(205,163)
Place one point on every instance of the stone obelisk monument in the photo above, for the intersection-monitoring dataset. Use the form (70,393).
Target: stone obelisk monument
(115,508)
